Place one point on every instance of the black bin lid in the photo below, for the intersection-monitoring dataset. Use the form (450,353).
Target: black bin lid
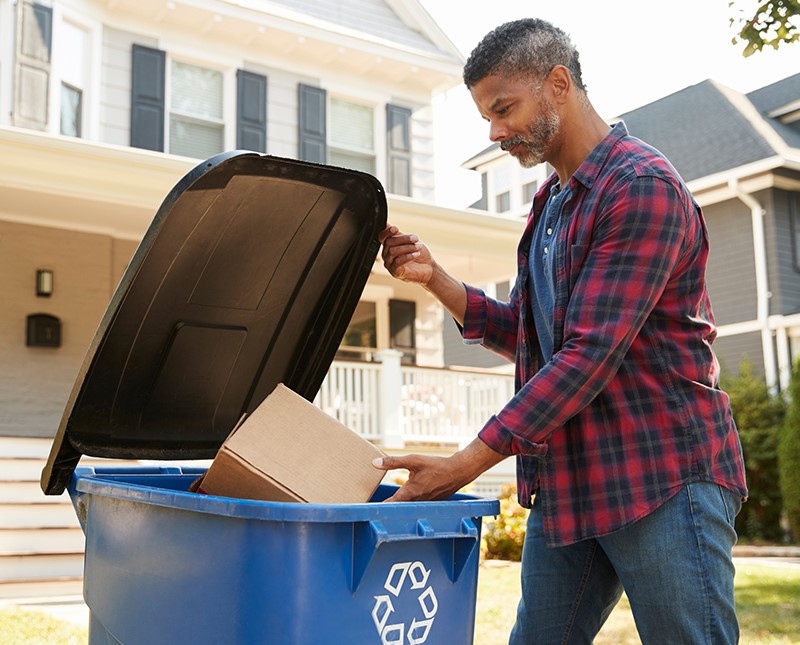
(247,277)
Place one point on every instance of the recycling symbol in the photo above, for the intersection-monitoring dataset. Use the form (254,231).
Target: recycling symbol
(405,578)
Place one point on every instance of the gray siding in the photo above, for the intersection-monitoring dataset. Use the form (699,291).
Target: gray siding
(115,84)
(784,276)
(457,353)
(732,350)
(731,265)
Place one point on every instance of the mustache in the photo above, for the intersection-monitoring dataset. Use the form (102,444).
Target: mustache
(506,145)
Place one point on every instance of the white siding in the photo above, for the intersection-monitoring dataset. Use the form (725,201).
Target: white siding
(422,154)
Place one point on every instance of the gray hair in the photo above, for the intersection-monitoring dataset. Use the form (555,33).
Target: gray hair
(528,47)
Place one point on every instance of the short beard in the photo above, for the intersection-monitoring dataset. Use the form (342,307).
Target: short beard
(539,137)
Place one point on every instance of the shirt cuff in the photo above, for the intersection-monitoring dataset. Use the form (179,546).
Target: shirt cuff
(500,439)
(475,316)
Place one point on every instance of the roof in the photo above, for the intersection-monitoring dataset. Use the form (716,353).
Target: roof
(708,128)
(379,18)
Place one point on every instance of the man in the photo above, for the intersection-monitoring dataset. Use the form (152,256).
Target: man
(618,425)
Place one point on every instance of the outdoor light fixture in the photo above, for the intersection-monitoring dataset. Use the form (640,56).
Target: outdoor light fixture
(44,283)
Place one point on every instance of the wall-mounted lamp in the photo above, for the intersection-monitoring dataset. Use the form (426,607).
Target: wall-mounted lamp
(44,283)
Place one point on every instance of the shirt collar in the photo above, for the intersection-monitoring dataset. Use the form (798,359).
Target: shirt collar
(587,172)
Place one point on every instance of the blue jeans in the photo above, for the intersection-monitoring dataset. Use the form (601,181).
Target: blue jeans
(674,564)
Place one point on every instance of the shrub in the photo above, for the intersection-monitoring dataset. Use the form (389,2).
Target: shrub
(503,535)
(789,456)
(758,417)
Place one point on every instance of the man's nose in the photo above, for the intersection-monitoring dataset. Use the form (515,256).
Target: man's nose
(497,131)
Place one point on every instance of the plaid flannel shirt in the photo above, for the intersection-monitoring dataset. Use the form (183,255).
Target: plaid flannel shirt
(629,409)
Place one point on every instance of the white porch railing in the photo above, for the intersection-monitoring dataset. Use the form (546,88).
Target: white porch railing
(395,405)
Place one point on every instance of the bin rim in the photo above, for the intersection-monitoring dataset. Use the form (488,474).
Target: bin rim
(111,482)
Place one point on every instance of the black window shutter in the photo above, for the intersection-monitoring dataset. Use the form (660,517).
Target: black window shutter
(398,146)
(32,69)
(147,98)
(251,111)
(312,145)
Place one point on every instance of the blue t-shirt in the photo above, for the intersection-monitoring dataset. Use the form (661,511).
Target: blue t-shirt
(542,277)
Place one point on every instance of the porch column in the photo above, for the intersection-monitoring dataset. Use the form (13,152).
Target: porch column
(389,388)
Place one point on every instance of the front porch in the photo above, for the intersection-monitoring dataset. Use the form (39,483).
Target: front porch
(402,408)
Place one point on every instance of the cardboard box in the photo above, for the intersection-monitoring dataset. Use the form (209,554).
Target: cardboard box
(288,450)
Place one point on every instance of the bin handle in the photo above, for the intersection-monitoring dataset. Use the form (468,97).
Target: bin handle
(369,536)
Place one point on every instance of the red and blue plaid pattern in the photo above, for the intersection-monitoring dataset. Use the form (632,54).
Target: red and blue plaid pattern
(629,408)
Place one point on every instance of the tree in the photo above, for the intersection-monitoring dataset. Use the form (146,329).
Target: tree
(789,456)
(775,22)
(758,417)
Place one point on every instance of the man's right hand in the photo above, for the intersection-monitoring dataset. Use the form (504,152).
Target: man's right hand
(405,257)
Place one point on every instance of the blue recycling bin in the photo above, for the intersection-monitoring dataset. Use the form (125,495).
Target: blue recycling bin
(247,277)
(163,565)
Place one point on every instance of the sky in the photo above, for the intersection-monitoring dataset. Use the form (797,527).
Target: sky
(632,52)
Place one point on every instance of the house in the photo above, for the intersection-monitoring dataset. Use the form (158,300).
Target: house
(740,156)
(104,106)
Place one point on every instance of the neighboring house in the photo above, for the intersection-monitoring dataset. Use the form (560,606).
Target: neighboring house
(104,106)
(740,155)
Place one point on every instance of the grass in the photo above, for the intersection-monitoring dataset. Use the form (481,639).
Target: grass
(766,599)
(27,627)
(766,603)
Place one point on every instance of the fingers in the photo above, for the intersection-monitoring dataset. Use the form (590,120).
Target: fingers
(390,463)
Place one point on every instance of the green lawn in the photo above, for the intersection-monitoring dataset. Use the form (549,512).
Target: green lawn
(767,602)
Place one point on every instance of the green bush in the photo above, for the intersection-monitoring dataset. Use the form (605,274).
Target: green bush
(503,535)
(789,456)
(759,417)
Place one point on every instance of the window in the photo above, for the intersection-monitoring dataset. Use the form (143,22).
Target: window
(361,338)
(72,63)
(71,110)
(503,202)
(341,132)
(501,178)
(351,141)
(196,128)
(529,192)
(794,218)
(402,317)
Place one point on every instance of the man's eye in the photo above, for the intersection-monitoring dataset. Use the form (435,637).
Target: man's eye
(502,111)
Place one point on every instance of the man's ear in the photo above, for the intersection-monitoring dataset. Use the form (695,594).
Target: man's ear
(560,82)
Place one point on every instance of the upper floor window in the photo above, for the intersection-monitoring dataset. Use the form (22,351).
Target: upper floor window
(794,217)
(71,110)
(73,69)
(342,132)
(502,187)
(196,126)
(351,141)
(183,112)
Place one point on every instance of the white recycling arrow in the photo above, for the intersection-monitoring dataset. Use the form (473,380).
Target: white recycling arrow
(402,569)
(417,639)
(387,634)
(428,596)
(422,580)
(379,601)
